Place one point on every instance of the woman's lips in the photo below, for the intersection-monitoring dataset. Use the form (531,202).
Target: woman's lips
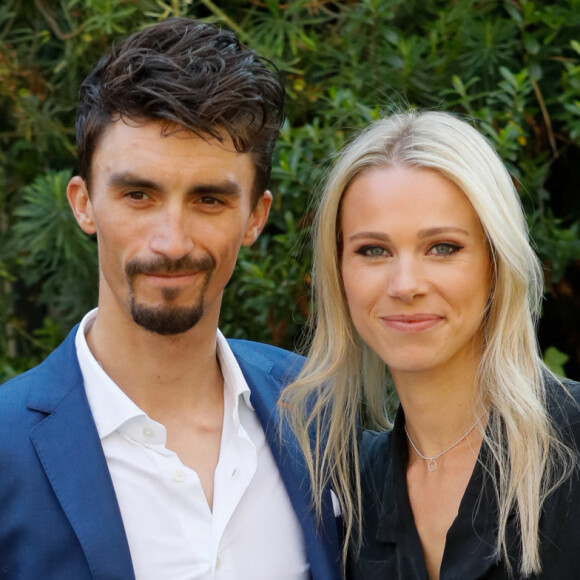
(412,322)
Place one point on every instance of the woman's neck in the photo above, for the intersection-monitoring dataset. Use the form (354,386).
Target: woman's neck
(439,406)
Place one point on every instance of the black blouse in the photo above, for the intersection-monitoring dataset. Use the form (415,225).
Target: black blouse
(391,546)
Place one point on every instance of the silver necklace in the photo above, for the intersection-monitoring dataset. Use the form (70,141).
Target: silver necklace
(432,461)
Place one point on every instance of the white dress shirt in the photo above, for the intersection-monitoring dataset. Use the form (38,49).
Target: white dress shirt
(252,533)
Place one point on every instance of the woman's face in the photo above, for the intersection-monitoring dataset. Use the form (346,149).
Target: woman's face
(415,268)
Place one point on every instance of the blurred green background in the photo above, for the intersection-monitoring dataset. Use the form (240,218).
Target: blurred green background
(513,66)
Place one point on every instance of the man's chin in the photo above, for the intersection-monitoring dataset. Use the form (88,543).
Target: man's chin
(166,320)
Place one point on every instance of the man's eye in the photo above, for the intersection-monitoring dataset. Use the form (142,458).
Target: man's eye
(210,200)
(137,195)
(372,251)
(444,249)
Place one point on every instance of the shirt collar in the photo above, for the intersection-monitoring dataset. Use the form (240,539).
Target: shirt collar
(234,381)
(112,408)
(396,509)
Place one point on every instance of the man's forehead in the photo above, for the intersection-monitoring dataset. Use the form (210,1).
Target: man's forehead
(157,151)
(166,128)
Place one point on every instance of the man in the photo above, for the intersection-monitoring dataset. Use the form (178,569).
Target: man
(147,446)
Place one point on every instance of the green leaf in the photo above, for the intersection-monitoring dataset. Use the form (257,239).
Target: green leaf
(555,360)
(531,44)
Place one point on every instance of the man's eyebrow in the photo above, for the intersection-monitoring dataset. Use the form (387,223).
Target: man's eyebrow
(128,179)
(225,188)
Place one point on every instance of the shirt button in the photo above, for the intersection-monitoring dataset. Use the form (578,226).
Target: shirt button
(236,473)
(218,564)
(148,432)
(179,475)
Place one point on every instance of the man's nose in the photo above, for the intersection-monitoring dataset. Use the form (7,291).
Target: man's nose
(172,235)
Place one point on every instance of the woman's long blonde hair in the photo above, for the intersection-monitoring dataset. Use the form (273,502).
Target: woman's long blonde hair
(322,405)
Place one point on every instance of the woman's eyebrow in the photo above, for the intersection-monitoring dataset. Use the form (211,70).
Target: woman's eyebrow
(430,232)
(366,235)
(422,234)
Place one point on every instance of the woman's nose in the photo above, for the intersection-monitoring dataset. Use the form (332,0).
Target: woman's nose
(406,279)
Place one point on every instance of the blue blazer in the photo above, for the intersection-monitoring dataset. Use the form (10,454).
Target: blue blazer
(59,516)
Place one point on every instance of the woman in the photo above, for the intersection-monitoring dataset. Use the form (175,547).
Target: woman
(423,267)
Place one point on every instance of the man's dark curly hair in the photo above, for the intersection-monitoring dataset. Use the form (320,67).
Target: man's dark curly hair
(185,72)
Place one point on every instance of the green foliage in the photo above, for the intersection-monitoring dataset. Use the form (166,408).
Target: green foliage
(54,254)
(513,67)
(556,360)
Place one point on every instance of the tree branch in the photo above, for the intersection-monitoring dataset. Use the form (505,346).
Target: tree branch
(40,4)
(547,120)
(227,20)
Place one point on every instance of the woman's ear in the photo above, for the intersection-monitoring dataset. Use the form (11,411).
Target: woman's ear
(78,197)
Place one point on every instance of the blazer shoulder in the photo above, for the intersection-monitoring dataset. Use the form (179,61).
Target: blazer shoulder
(48,382)
(280,363)
(18,387)
(15,392)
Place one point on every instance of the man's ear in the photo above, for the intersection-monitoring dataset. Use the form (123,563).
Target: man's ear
(257,219)
(80,203)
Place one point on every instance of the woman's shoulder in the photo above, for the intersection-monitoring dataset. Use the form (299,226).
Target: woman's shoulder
(563,394)
(374,452)
(563,398)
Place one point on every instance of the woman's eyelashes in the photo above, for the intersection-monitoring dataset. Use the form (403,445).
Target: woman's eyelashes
(438,249)
(372,251)
(445,249)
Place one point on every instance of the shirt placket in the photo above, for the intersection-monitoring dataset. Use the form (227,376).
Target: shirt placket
(234,473)
(184,498)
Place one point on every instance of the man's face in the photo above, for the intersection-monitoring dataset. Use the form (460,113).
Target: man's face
(170,214)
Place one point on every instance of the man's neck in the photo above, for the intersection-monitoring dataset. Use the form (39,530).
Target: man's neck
(176,380)
(161,374)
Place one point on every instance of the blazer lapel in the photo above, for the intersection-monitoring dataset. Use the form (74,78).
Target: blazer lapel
(321,539)
(69,448)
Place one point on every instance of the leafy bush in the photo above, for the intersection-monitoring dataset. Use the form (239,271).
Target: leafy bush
(511,66)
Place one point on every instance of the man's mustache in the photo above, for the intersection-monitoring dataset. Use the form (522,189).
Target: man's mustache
(164,265)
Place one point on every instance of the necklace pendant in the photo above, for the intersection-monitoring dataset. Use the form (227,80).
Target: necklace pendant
(432,464)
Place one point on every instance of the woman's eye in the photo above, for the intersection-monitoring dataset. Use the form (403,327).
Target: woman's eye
(444,249)
(372,251)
